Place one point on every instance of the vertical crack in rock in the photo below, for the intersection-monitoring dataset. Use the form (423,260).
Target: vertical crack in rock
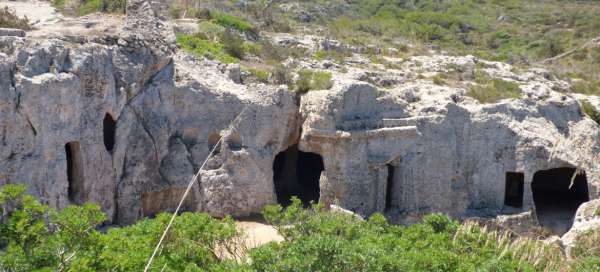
(31,125)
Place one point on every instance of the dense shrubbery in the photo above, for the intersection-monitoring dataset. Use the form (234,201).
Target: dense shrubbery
(37,238)
(34,237)
(9,19)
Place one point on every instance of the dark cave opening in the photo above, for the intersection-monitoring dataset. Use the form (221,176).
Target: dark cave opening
(557,193)
(389,186)
(297,173)
(74,172)
(109,129)
(513,190)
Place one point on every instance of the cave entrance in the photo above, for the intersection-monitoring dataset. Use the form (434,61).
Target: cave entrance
(557,193)
(109,129)
(297,173)
(74,172)
(513,190)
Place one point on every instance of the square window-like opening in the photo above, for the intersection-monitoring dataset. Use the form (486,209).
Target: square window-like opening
(513,194)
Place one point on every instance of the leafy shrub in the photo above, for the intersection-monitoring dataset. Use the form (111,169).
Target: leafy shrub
(9,19)
(260,75)
(231,21)
(37,238)
(281,75)
(440,223)
(313,80)
(232,44)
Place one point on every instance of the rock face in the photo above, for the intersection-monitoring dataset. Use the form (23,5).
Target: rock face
(126,120)
(437,154)
(586,221)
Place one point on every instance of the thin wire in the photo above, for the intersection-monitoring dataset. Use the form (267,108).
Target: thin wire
(187,190)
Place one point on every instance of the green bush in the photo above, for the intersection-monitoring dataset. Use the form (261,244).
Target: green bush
(83,7)
(233,44)
(9,19)
(231,21)
(260,75)
(37,238)
(313,80)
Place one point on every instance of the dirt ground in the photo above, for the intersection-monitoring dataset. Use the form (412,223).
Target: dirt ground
(258,234)
(48,22)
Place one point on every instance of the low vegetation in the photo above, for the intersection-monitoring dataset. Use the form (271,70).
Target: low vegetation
(590,111)
(201,46)
(8,19)
(491,90)
(83,7)
(35,237)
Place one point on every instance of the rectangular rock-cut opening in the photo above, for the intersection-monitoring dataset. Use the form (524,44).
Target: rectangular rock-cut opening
(389,186)
(74,173)
(513,190)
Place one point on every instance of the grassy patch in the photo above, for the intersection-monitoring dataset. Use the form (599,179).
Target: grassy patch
(199,46)
(590,111)
(589,87)
(494,90)
(9,19)
(331,55)
(439,80)
(260,75)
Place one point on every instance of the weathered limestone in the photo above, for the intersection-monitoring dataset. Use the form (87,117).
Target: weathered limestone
(166,106)
(12,32)
(587,221)
(447,156)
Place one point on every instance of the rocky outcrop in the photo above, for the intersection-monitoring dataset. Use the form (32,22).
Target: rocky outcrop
(587,221)
(125,120)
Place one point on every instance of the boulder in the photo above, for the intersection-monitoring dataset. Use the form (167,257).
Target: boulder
(12,32)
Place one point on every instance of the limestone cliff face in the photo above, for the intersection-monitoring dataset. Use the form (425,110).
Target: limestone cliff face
(126,124)
(445,155)
(126,120)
